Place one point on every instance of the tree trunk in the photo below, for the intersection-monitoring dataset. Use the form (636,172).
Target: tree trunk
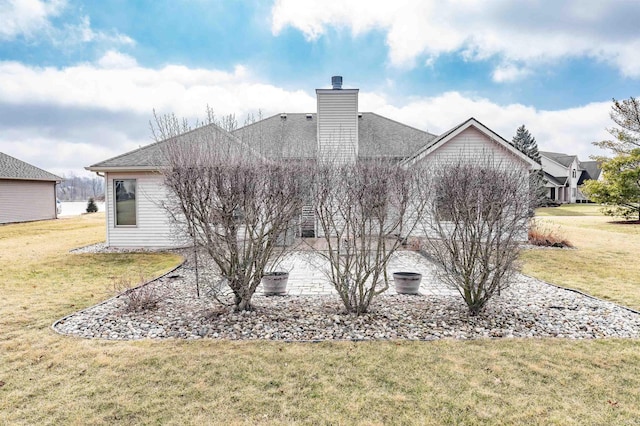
(243,304)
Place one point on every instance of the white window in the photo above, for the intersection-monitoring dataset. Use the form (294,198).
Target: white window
(125,202)
(573,173)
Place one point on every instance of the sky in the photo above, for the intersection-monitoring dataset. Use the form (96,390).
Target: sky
(79,80)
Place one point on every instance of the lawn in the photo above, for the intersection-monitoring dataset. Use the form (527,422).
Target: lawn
(604,263)
(46,378)
(571,210)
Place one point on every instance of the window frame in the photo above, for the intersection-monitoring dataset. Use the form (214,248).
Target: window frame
(115,203)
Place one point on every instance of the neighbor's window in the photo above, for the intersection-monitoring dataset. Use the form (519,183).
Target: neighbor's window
(125,201)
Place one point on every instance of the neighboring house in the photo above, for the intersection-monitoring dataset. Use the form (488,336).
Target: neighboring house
(337,130)
(564,175)
(27,193)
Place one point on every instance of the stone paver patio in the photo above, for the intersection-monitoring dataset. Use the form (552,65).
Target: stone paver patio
(306,276)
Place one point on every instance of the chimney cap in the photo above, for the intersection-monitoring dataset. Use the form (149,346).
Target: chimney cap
(336,82)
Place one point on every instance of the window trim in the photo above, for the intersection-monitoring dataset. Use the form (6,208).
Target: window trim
(115,203)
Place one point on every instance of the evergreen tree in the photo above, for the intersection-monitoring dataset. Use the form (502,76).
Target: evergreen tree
(526,143)
(92,207)
(626,114)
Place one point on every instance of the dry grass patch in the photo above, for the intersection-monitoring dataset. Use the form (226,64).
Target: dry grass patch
(543,234)
(571,210)
(53,379)
(604,263)
(208,382)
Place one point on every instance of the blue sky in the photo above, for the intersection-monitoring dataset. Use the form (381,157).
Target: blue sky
(79,80)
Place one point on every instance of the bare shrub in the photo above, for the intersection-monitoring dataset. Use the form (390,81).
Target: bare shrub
(138,296)
(364,212)
(237,206)
(475,226)
(543,234)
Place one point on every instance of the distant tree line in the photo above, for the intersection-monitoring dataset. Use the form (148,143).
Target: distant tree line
(80,188)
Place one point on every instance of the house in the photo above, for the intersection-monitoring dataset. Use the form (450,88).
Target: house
(27,193)
(336,130)
(564,175)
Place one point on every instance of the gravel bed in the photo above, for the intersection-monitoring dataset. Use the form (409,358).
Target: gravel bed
(529,308)
(102,248)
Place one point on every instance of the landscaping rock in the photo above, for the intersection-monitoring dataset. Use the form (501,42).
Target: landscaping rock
(528,309)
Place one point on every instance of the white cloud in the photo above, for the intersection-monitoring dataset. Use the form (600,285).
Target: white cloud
(114,59)
(570,130)
(532,32)
(509,73)
(83,33)
(27,17)
(31,19)
(117,83)
(58,156)
(66,118)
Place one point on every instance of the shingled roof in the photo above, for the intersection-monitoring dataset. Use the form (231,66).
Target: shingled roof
(12,168)
(295,136)
(152,157)
(558,157)
(285,136)
(591,170)
(555,180)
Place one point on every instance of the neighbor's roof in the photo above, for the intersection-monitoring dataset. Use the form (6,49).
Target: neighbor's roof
(558,157)
(555,180)
(12,168)
(295,136)
(153,156)
(591,170)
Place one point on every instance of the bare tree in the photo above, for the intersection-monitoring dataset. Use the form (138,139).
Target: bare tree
(364,211)
(229,201)
(77,188)
(475,226)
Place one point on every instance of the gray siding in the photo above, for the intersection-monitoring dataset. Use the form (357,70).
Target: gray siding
(27,200)
(338,124)
(153,228)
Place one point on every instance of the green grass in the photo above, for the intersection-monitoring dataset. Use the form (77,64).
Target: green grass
(53,379)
